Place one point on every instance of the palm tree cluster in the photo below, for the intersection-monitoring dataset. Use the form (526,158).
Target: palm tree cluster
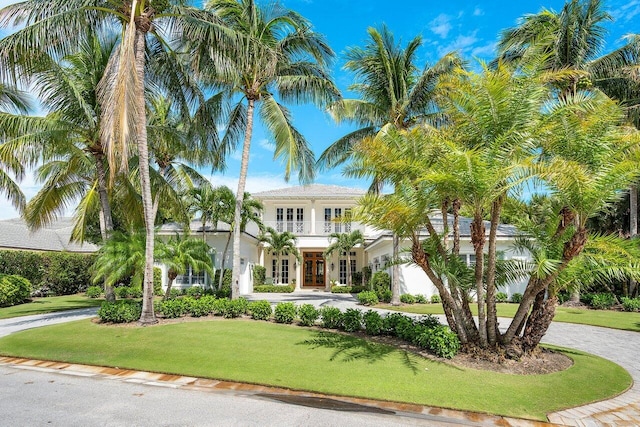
(135,92)
(125,86)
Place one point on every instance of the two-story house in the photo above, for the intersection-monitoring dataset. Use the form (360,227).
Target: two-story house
(312,213)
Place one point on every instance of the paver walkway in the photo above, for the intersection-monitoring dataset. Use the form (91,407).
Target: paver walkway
(621,347)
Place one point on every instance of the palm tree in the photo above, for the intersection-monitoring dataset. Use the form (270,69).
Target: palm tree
(203,199)
(11,99)
(573,39)
(344,242)
(53,27)
(394,94)
(277,54)
(279,244)
(121,256)
(180,253)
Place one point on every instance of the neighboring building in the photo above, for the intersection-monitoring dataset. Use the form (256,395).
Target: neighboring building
(15,235)
(312,213)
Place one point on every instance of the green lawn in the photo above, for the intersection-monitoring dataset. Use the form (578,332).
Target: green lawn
(306,359)
(49,305)
(606,318)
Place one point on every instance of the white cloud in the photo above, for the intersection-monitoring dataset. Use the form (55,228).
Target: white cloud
(267,145)
(478,12)
(627,11)
(487,50)
(441,25)
(462,44)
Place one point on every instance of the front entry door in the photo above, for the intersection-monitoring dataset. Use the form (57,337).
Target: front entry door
(314,269)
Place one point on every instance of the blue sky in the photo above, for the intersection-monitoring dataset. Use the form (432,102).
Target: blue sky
(470,27)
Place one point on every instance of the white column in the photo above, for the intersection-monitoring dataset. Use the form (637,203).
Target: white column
(313,217)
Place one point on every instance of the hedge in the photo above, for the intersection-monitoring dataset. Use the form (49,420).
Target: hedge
(57,273)
(14,289)
(273,289)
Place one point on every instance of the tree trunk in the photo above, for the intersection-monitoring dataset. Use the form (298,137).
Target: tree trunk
(538,322)
(222,261)
(395,272)
(242,180)
(148,316)
(172,276)
(106,221)
(492,314)
(456,226)
(633,228)
(478,239)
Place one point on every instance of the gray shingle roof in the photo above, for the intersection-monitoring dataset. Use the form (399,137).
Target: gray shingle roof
(14,234)
(311,191)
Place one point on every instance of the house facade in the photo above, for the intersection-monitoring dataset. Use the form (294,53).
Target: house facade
(312,213)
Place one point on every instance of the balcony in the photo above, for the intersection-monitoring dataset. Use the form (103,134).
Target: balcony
(319,228)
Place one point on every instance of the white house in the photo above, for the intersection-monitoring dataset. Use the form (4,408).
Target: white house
(312,213)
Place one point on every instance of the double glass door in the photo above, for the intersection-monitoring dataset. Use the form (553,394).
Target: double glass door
(314,269)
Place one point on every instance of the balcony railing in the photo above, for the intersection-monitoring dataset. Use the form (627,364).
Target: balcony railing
(322,228)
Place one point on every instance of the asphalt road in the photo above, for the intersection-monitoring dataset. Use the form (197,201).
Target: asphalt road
(36,398)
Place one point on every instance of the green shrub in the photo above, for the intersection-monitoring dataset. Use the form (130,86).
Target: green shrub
(630,304)
(121,292)
(174,293)
(259,274)
(308,314)
(373,322)
(420,299)
(352,320)
(260,310)
(407,329)
(341,289)
(94,291)
(273,289)
(435,299)
(195,291)
(285,312)
(219,306)
(440,340)
(586,298)
(385,295)
(172,308)
(368,298)
(502,297)
(603,301)
(14,289)
(235,308)
(380,282)
(391,321)
(429,320)
(516,298)
(157,282)
(224,292)
(331,317)
(407,299)
(202,306)
(356,289)
(135,292)
(123,311)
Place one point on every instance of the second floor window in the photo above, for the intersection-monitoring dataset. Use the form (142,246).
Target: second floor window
(292,222)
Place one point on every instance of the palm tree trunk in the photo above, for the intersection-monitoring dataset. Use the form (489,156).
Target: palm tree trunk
(106,221)
(168,291)
(477,239)
(348,267)
(633,228)
(395,273)
(224,256)
(148,316)
(242,180)
(492,314)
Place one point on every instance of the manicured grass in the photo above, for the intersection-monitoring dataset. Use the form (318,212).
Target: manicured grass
(307,359)
(606,318)
(49,305)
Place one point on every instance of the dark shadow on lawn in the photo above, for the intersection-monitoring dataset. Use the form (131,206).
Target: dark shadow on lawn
(347,349)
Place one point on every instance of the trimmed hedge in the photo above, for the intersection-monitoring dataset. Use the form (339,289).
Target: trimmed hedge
(57,273)
(273,289)
(14,289)
(347,289)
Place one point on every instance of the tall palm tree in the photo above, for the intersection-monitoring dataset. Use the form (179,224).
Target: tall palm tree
(53,27)
(344,242)
(279,244)
(278,55)
(180,253)
(395,93)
